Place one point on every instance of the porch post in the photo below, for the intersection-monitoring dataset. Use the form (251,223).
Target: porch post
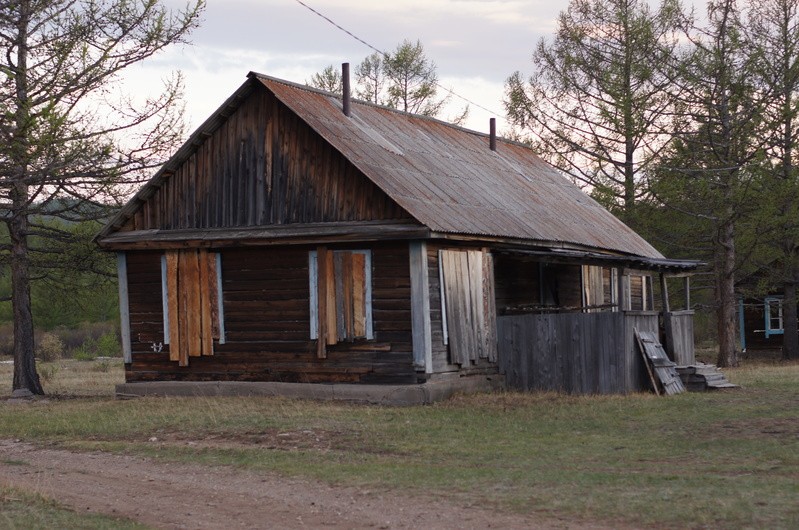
(664,293)
(420,308)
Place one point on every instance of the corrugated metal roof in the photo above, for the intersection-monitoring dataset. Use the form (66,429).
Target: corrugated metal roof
(444,176)
(448,178)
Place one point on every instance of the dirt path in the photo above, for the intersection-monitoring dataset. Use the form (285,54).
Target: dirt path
(173,495)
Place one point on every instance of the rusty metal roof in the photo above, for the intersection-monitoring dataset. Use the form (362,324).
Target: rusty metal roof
(443,175)
(449,180)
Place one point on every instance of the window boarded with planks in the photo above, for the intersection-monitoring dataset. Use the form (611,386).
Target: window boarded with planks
(599,288)
(341,297)
(469,305)
(192,312)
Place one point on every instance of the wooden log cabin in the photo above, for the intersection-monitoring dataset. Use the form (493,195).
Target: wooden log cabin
(301,237)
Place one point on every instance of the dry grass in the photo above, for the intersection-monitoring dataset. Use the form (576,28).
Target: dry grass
(68,378)
(723,459)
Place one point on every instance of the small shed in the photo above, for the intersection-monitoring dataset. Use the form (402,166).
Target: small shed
(288,241)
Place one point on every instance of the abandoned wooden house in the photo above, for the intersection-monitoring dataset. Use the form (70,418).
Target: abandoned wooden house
(299,236)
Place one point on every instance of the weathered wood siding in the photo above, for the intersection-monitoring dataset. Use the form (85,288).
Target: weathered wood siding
(579,353)
(441,357)
(679,326)
(263,166)
(642,321)
(267,322)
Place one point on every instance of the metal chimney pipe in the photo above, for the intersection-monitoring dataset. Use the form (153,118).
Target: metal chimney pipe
(345,82)
(492,135)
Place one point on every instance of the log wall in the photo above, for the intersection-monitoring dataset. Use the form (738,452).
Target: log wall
(263,166)
(267,322)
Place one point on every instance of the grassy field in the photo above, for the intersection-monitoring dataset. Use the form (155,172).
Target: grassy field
(723,459)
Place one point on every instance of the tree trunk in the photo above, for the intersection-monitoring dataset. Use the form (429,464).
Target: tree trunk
(25,376)
(790,338)
(725,295)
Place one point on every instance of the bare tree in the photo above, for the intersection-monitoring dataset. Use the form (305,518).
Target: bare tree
(68,138)
(597,101)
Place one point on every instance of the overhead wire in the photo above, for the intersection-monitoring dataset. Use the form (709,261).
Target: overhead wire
(381,52)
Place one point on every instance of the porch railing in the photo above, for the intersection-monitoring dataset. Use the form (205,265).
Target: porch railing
(580,353)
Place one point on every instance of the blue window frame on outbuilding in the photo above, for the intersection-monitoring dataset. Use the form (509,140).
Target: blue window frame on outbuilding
(773,316)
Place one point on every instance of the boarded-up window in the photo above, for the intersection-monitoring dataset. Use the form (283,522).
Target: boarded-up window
(640,293)
(341,296)
(193,317)
(599,288)
(468,305)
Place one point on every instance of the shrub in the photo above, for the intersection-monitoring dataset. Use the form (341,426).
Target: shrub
(47,372)
(86,351)
(108,345)
(49,347)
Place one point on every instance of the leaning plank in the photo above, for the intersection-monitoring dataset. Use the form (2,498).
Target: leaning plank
(663,367)
(642,348)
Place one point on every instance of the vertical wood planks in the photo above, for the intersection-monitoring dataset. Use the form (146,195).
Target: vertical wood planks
(358,299)
(489,308)
(468,295)
(321,305)
(420,307)
(173,297)
(328,277)
(204,288)
(581,353)
(190,280)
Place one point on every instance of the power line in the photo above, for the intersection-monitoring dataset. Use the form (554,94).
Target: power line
(354,36)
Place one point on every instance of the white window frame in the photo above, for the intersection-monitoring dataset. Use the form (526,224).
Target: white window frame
(313,285)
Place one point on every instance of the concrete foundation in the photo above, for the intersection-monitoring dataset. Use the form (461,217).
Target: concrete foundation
(395,395)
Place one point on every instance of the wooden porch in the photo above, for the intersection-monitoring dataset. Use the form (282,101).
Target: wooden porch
(586,353)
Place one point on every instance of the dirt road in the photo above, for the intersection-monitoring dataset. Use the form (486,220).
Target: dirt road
(173,495)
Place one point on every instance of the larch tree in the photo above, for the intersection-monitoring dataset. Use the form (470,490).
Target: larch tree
(773,34)
(597,103)
(404,79)
(70,139)
(329,80)
(371,79)
(413,81)
(713,165)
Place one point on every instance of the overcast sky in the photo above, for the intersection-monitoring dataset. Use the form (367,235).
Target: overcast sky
(475,44)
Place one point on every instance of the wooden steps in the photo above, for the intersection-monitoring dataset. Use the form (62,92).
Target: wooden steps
(700,377)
